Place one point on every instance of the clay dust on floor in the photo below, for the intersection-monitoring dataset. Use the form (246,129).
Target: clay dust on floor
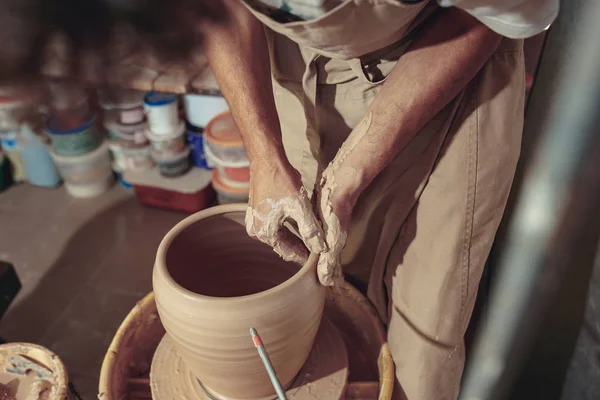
(83,265)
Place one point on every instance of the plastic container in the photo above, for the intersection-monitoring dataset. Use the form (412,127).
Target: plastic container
(234,177)
(89,170)
(162,112)
(166,146)
(228,194)
(123,106)
(12,152)
(39,167)
(196,143)
(133,135)
(130,158)
(74,141)
(200,109)
(190,193)
(223,139)
(12,110)
(90,189)
(5,177)
(175,165)
(123,182)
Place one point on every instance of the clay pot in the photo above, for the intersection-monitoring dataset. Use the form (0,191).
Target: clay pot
(213,283)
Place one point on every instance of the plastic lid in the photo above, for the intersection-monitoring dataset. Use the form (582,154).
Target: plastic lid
(170,158)
(159,99)
(222,187)
(223,131)
(191,182)
(53,128)
(117,99)
(159,137)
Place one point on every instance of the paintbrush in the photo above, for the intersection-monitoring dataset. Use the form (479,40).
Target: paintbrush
(262,352)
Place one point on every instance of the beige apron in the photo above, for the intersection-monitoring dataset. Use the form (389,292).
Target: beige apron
(420,234)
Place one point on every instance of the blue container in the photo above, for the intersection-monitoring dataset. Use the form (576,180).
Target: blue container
(39,167)
(197,148)
(123,182)
(74,141)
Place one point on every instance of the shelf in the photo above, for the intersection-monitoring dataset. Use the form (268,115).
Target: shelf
(139,72)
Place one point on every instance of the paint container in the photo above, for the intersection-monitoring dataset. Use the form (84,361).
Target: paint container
(234,177)
(228,194)
(173,165)
(12,111)
(189,193)
(223,139)
(5,176)
(130,158)
(87,175)
(39,166)
(74,141)
(130,136)
(234,174)
(168,145)
(162,112)
(196,143)
(91,189)
(200,109)
(125,107)
(123,182)
(12,151)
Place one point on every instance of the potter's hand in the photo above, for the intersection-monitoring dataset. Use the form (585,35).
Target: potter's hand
(335,206)
(277,196)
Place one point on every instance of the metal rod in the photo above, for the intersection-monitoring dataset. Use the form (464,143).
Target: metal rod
(262,352)
(563,173)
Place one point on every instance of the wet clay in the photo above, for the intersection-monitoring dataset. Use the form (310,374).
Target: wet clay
(265,221)
(323,376)
(336,174)
(212,282)
(28,387)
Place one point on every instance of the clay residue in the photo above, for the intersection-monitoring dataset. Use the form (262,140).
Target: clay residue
(24,387)
(337,174)
(265,221)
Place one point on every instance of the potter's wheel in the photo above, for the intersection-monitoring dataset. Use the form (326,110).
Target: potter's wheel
(324,373)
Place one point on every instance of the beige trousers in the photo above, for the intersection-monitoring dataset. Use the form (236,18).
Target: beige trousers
(422,231)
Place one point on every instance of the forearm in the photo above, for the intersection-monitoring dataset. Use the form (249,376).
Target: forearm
(237,52)
(435,68)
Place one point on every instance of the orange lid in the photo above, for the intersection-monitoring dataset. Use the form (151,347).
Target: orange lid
(223,131)
(222,187)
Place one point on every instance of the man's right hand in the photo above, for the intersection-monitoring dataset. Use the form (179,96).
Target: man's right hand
(276,197)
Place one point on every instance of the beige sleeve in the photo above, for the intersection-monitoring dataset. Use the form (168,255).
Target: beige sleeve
(510,18)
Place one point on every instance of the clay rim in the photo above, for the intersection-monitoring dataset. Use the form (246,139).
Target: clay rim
(163,248)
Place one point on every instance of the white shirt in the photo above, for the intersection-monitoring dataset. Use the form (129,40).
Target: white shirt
(511,18)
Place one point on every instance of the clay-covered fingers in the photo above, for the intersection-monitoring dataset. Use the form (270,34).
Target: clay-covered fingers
(309,227)
(329,267)
(266,222)
(290,247)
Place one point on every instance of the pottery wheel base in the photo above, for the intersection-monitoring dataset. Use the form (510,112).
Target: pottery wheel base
(323,375)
